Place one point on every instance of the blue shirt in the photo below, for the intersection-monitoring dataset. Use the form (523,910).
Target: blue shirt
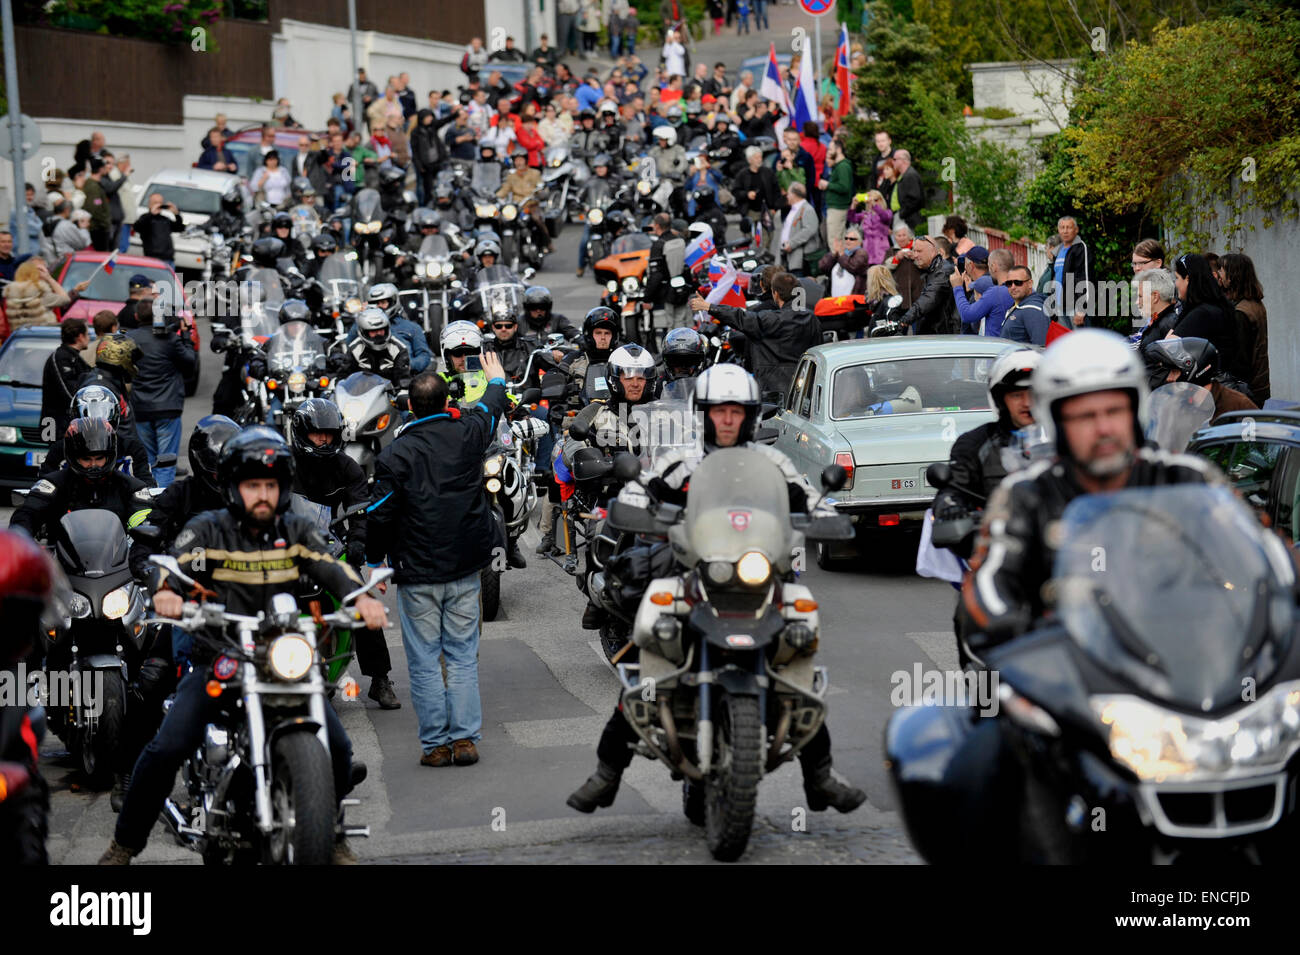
(588,96)
(1058,273)
(992,307)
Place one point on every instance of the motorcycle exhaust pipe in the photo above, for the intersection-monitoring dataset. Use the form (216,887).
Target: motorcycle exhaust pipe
(782,730)
(683,765)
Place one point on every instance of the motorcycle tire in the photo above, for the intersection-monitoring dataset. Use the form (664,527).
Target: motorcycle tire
(302,789)
(731,790)
(826,561)
(596,254)
(490,592)
(96,754)
(613,638)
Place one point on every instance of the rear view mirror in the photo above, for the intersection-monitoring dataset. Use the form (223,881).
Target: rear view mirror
(580,430)
(626,467)
(939,474)
(834,477)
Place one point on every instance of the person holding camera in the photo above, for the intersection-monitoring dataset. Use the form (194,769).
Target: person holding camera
(167,356)
(155,229)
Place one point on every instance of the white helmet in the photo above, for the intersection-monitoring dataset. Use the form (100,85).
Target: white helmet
(666,135)
(486,247)
(726,385)
(384,291)
(1010,371)
(374,326)
(460,336)
(630,360)
(698,229)
(1083,362)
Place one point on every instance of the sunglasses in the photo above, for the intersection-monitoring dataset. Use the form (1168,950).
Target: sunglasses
(504,325)
(1016,282)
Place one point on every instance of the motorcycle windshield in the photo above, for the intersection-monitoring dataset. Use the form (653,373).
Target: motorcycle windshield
(1176,589)
(486,178)
(737,503)
(263,294)
(631,242)
(434,247)
(357,388)
(663,427)
(599,192)
(94,540)
(318,514)
(294,346)
(556,156)
(1178,411)
(499,292)
(367,206)
(339,275)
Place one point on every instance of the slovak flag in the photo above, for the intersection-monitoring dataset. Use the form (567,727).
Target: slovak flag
(722,276)
(773,90)
(700,251)
(842,77)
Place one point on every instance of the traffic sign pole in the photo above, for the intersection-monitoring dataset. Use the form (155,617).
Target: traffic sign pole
(15,123)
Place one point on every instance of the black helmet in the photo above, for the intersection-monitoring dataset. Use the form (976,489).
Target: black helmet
(586,114)
(301,189)
(316,414)
(1196,360)
(620,220)
(267,251)
(294,310)
(86,437)
(684,352)
(325,243)
(601,317)
(96,401)
(253,453)
(538,296)
(232,201)
(423,218)
(392,176)
(282,220)
(206,441)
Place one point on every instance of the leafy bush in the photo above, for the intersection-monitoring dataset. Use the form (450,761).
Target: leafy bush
(167,21)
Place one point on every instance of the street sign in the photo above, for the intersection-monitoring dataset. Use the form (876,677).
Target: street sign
(817,8)
(31,137)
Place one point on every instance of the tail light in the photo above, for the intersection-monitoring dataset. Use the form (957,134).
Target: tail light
(845,460)
(888,520)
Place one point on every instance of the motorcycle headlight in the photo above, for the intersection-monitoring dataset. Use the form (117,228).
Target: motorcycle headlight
(612,285)
(557,163)
(492,466)
(485,211)
(353,305)
(352,411)
(290,657)
(297,381)
(753,569)
(421,269)
(79,606)
(509,211)
(1158,744)
(117,603)
(493,486)
(629,284)
(595,216)
(448,268)
(643,187)
(8,435)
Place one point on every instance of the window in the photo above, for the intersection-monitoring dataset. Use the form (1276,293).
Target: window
(805,402)
(1250,467)
(796,387)
(911,386)
(113,288)
(24,360)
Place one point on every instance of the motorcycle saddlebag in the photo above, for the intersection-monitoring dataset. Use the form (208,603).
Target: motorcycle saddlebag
(630,572)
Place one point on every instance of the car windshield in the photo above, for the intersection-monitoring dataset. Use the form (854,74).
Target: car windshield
(112,288)
(188,199)
(912,386)
(1177,589)
(22,363)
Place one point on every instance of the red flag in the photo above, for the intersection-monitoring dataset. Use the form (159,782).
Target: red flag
(842,78)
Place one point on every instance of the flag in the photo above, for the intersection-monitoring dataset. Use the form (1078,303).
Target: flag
(722,276)
(842,78)
(758,235)
(805,90)
(699,251)
(771,89)
(110,263)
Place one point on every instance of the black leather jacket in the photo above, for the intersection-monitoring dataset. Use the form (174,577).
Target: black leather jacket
(62,491)
(183,500)
(338,483)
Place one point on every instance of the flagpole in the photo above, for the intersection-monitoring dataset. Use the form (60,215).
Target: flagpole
(98,268)
(817,72)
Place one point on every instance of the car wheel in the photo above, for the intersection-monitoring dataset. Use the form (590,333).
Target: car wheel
(828,559)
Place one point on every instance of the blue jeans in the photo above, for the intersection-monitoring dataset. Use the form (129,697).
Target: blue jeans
(443,619)
(760,15)
(161,437)
(124,238)
(582,247)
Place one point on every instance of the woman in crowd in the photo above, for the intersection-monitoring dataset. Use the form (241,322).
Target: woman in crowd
(271,180)
(1247,297)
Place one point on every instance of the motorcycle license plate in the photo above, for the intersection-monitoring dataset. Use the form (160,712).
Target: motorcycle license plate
(36,458)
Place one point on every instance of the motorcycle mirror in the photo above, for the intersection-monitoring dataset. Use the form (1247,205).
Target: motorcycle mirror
(169,564)
(893,302)
(834,478)
(580,430)
(377,578)
(284,606)
(150,534)
(531,396)
(626,467)
(939,474)
(391,249)
(529,273)
(768,411)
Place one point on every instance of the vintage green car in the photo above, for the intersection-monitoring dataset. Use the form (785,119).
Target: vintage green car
(884,409)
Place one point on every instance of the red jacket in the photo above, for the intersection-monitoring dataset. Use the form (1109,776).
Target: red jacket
(818,153)
(533,142)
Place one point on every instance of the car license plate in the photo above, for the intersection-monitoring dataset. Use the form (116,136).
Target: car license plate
(902,484)
(36,458)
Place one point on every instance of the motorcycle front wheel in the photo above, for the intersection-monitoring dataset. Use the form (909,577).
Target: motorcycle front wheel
(731,790)
(302,801)
(490,594)
(97,752)
(613,638)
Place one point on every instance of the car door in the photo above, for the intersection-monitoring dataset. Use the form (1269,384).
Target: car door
(792,424)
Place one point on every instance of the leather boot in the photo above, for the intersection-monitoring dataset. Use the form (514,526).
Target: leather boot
(116,855)
(513,556)
(381,691)
(592,617)
(599,790)
(121,783)
(547,546)
(824,790)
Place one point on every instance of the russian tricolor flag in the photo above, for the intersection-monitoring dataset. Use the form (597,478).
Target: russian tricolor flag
(805,90)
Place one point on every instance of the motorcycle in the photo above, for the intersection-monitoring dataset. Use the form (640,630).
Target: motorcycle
(509,480)
(261,784)
(623,273)
(562,177)
(1125,702)
(295,371)
(368,233)
(370,417)
(434,272)
(727,644)
(497,293)
(103,640)
(337,295)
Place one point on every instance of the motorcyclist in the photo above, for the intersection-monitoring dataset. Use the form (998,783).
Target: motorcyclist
(89,481)
(1090,396)
(251,549)
(459,342)
(728,398)
(488,254)
(384,297)
(668,155)
(322,247)
(116,358)
(611,129)
(486,175)
(513,347)
(451,206)
(540,319)
(684,355)
(586,140)
(1196,361)
(99,401)
(603,183)
(976,458)
(229,219)
(376,350)
(326,476)
(521,182)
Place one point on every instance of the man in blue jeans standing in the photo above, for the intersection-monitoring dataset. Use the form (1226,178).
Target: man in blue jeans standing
(158,389)
(433,523)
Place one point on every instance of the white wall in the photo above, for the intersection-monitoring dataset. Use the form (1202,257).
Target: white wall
(1027,89)
(509,15)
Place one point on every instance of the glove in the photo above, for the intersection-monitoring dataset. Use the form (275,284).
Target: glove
(153,672)
(355,552)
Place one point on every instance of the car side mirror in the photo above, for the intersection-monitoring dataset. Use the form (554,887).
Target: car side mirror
(580,430)
(834,477)
(939,474)
(626,467)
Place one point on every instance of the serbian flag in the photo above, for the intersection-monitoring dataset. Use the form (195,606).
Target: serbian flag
(805,90)
(722,276)
(700,251)
(842,77)
(772,89)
